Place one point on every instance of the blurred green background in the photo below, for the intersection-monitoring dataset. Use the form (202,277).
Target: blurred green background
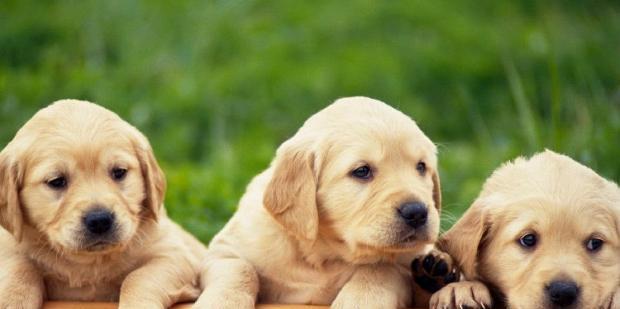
(217,85)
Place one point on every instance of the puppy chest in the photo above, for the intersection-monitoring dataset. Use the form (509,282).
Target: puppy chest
(61,290)
(83,282)
(305,286)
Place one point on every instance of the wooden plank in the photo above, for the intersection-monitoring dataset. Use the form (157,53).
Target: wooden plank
(76,305)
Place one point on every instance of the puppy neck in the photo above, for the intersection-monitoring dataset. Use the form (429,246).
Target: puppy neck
(325,252)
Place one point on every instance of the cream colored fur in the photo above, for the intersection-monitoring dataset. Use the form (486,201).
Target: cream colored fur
(310,233)
(153,264)
(562,202)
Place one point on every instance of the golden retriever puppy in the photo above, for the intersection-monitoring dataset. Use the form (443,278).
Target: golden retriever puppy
(351,195)
(81,204)
(544,233)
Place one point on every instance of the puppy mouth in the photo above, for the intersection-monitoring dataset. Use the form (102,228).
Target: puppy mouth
(92,243)
(409,239)
(414,237)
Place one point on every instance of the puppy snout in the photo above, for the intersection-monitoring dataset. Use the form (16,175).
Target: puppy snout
(99,221)
(414,213)
(562,293)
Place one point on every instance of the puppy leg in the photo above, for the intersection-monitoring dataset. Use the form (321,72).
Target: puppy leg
(464,294)
(159,284)
(229,283)
(21,286)
(614,301)
(374,286)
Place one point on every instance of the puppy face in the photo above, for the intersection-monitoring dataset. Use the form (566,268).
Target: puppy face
(544,232)
(376,190)
(363,172)
(84,179)
(547,253)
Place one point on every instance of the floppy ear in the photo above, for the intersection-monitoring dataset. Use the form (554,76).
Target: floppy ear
(466,238)
(290,196)
(154,178)
(437,190)
(11,217)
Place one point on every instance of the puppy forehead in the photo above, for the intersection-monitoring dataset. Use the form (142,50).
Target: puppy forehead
(49,158)
(558,218)
(376,146)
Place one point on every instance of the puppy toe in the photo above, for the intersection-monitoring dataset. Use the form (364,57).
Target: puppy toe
(441,268)
(464,299)
(471,294)
(462,295)
(429,263)
(614,301)
(434,270)
(481,294)
(442,299)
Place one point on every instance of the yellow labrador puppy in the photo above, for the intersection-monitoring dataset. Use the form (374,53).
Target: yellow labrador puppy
(354,192)
(544,233)
(81,202)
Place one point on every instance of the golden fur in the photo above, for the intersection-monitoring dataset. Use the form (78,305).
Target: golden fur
(151,263)
(313,234)
(562,202)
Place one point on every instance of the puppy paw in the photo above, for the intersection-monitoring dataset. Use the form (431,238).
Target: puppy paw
(21,300)
(461,295)
(225,301)
(613,302)
(433,271)
(20,296)
(19,304)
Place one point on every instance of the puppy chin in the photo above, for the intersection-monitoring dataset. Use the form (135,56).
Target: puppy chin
(413,243)
(405,240)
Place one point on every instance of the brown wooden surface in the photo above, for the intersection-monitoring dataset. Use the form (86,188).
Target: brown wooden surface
(71,305)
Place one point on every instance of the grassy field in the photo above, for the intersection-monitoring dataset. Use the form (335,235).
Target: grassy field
(217,85)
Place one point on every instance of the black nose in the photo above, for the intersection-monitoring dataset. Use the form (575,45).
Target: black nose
(99,221)
(414,213)
(562,293)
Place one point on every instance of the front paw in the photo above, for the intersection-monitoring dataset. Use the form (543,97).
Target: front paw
(224,300)
(464,294)
(434,270)
(352,298)
(21,297)
(613,302)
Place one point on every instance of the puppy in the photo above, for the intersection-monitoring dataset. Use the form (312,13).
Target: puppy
(544,233)
(81,204)
(350,195)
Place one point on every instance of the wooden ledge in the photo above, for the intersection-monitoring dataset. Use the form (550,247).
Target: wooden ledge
(74,305)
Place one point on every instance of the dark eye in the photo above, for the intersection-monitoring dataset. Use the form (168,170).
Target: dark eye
(118,173)
(363,172)
(58,183)
(421,168)
(528,240)
(594,244)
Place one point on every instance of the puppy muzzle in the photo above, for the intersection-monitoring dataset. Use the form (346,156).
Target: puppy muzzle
(100,229)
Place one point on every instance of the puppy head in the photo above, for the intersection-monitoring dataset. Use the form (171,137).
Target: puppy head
(361,173)
(81,177)
(544,232)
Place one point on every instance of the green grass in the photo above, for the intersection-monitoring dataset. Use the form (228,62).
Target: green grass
(217,85)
